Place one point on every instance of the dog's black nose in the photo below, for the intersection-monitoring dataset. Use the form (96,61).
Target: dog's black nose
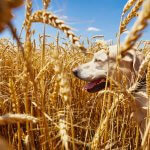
(75,72)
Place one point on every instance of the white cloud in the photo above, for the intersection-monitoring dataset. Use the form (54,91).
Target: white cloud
(74,29)
(90,29)
(64,17)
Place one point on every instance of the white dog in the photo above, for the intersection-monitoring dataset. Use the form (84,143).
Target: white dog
(103,65)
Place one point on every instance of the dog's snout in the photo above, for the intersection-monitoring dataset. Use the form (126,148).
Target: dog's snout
(75,72)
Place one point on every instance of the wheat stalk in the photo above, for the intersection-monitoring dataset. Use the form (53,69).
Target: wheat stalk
(64,91)
(15,107)
(102,125)
(146,137)
(42,71)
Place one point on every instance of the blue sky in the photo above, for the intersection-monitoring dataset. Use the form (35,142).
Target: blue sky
(86,17)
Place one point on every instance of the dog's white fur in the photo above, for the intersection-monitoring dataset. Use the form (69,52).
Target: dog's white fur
(103,65)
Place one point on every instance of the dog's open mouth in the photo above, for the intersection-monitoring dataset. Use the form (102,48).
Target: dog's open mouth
(95,86)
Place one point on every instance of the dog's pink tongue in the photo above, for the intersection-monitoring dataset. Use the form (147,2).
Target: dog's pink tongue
(89,85)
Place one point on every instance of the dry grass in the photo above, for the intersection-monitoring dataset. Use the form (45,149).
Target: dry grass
(43,106)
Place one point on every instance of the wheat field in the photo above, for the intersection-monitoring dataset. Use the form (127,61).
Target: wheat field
(43,106)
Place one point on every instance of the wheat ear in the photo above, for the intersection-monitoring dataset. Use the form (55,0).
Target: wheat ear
(27,22)
(128,5)
(16,118)
(143,66)
(148,79)
(131,15)
(51,19)
(139,25)
(46,3)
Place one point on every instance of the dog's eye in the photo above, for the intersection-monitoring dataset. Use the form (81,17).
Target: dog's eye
(97,60)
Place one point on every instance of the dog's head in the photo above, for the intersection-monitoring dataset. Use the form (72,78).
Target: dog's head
(103,64)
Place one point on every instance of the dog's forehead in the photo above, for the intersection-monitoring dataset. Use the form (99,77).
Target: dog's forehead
(113,51)
(101,55)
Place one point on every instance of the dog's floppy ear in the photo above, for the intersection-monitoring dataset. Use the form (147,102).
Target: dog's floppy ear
(131,56)
(136,61)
